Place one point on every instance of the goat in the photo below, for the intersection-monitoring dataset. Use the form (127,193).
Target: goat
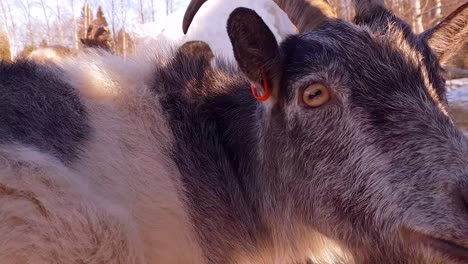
(209,25)
(336,143)
(303,14)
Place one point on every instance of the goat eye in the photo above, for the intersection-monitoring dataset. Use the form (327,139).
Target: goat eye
(316,95)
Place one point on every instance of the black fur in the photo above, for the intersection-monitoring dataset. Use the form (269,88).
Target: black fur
(214,129)
(40,110)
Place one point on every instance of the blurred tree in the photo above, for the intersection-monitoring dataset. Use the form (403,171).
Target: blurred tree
(169,6)
(100,18)
(85,20)
(26,51)
(124,44)
(5,53)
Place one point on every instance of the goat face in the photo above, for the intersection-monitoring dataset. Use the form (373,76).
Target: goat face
(357,133)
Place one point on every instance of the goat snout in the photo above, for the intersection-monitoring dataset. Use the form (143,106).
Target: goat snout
(446,235)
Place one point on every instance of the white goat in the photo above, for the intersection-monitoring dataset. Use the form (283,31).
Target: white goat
(209,25)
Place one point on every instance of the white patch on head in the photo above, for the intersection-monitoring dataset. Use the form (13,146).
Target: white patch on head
(212,17)
(209,25)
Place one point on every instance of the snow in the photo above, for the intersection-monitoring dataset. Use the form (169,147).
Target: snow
(209,25)
(458,90)
(167,30)
(458,97)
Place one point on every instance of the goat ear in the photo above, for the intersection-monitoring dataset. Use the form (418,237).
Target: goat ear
(197,48)
(447,37)
(255,49)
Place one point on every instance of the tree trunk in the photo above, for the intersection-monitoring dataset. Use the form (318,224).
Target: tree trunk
(59,23)
(5,27)
(14,43)
(438,11)
(75,25)
(124,35)
(46,19)
(417,19)
(168,7)
(86,20)
(142,12)
(113,15)
(152,11)
(26,6)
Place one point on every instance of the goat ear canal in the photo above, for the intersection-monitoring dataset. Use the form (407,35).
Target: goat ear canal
(447,37)
(262,91)
(255,50)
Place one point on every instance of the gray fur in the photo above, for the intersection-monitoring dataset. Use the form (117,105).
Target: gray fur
(378,174)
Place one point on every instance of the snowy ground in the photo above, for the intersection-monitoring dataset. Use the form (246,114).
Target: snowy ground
(458,90)
(458,97)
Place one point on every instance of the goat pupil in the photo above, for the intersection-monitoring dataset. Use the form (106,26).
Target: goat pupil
(315,94)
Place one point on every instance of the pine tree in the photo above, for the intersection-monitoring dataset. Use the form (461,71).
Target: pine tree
(5,54)
(100,18)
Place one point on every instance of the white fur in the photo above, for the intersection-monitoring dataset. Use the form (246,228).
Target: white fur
(121,202)
(209,25)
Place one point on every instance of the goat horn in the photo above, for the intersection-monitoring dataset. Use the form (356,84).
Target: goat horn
(192,9)
(304,14)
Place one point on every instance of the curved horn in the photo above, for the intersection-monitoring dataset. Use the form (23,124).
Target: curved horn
(192,9)
(304,14)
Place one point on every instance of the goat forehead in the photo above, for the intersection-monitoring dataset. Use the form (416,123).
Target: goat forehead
(368,63)
(353,45)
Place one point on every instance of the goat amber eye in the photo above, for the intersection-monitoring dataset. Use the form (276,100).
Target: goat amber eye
(316,95)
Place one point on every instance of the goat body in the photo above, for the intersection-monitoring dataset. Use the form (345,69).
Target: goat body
(172,160)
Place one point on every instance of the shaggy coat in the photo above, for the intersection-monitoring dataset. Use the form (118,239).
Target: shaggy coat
(172,160)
